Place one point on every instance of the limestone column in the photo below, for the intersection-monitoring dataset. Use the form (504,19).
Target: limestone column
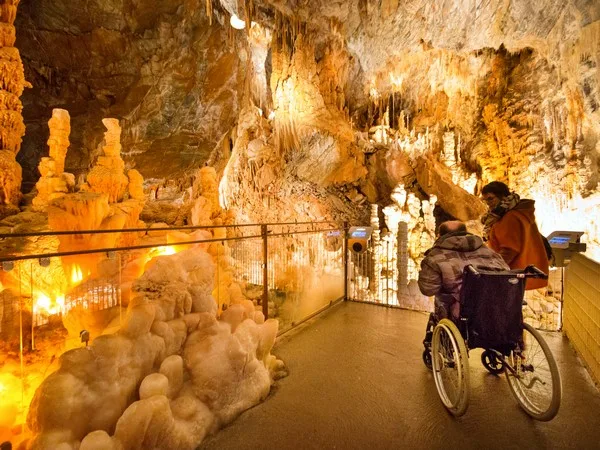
(125,191)
(54,182)
(402,256)
(376,238)
(12,128)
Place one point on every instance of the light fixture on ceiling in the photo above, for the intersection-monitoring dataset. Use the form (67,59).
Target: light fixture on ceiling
(237,23)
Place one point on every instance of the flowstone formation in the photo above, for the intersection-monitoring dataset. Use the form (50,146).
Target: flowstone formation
(172,374)
(205,211)
(12,128)
(54,182)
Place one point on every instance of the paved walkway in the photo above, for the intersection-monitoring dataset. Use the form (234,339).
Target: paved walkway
(357,382)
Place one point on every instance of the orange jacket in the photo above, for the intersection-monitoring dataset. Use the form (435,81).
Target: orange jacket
(517,238)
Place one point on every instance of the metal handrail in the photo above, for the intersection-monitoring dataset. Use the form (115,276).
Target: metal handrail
(264,236)
(147,229)
(147,246)
(115,249)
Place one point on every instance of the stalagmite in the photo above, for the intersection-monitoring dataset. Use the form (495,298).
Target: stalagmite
(107,175)
(54,182)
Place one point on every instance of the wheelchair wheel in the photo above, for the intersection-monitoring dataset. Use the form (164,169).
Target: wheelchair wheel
(427,358)
(450,363)
(491,362)
(533,377)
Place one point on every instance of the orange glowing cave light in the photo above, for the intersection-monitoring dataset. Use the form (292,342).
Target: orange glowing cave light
(48,305)
(160,251)
(76,275)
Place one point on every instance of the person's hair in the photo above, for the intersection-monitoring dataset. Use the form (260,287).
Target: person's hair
(497,188)
(451,226)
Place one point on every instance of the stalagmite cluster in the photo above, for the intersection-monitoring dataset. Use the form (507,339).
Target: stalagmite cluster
(12,128)
(172,374)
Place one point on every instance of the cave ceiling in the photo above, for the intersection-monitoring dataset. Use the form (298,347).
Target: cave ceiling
(512,89)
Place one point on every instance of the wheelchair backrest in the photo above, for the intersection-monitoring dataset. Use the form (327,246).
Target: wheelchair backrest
(491,302)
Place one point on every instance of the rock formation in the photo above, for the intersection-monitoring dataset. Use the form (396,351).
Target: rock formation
(54,182)
(490,91)
(12,128)
(107,176)
(191,372)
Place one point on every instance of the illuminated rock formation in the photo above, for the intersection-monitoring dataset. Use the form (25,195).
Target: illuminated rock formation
(107,176)
(309,110)
(206,210)
(84,211)
(420,226)
(125,192)
(496,90)
(193,373)
(54,182)
(12,128)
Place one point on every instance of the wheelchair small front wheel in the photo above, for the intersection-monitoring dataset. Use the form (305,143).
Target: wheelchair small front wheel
(492,362)
(427,358)
(450,363)
(533,376)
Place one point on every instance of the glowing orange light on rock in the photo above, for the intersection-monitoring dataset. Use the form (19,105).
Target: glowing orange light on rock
(167,250)
(76,275)
(44,304)
(163,251)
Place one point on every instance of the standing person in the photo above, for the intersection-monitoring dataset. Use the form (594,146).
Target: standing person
(510,229)
(442,268)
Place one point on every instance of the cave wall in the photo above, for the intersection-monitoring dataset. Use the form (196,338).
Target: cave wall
(162,69)
(326,106)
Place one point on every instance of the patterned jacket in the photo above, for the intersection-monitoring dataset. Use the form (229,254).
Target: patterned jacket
(442,268)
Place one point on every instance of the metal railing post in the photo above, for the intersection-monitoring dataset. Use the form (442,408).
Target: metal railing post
(345,261)
(265,296)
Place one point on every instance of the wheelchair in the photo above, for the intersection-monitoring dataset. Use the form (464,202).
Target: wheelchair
(491,317)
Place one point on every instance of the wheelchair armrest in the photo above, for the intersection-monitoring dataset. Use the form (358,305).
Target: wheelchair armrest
(533,272)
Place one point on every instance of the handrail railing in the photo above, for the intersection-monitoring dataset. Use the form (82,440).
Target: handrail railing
(149,229)
(265,234)
(147,246)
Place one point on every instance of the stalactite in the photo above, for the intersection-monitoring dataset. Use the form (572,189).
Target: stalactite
(209,11)
(249,14)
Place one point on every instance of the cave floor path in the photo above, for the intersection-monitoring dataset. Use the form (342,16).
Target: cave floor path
(356,381)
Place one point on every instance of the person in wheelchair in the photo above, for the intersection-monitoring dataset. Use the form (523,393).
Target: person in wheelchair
(478,305)
(442,268)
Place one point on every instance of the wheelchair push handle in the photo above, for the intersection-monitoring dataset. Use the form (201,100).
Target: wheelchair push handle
(473,270)
(533,272)
(529,272)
